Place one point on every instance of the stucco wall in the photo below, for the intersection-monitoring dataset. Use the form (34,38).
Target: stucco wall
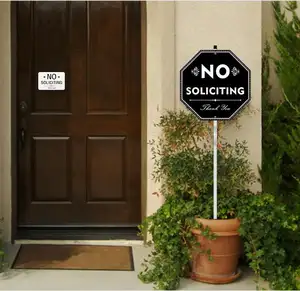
(178,30)
(5,206)
(161,74)
(230,25)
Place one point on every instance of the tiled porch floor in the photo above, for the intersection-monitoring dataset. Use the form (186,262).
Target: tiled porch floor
(100,280)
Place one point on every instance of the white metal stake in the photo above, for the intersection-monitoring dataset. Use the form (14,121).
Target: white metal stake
(215,162)
(215,169)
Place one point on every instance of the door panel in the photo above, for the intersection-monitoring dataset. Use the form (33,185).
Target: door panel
(106,58)
(45,171)
(79,159)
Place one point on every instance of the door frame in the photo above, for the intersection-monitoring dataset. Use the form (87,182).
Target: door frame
(90,234)
(14,120)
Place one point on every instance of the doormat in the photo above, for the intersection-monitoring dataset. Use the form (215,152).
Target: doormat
(74,257)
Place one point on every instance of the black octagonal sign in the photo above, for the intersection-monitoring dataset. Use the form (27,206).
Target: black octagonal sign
(215,84)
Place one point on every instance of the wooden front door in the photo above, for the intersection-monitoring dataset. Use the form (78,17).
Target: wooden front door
(79,149)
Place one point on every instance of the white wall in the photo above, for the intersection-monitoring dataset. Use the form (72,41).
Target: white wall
(230,25)
(5,166)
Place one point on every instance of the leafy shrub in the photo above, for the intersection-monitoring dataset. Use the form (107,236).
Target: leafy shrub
(184,167)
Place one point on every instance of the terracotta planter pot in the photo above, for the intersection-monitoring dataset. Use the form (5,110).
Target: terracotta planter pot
(225,250)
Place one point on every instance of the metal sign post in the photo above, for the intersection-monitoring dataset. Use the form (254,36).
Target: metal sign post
(215,169)
(215,166)
(215,85)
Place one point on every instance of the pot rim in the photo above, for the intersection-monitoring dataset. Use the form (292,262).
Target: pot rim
(218,219)
(219,226)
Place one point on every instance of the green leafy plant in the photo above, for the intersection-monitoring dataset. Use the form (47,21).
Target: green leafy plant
(281,122)
(263,221)
(184,168)
(170,229)
(183,159)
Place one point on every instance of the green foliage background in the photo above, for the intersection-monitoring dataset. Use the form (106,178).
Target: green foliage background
(281,123)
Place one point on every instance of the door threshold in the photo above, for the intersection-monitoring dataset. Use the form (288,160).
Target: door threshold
(81,242)
(78,234)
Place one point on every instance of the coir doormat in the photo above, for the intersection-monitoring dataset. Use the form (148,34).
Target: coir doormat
(74,257)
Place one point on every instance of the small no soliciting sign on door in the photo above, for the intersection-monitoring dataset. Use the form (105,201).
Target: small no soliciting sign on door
(51,81)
